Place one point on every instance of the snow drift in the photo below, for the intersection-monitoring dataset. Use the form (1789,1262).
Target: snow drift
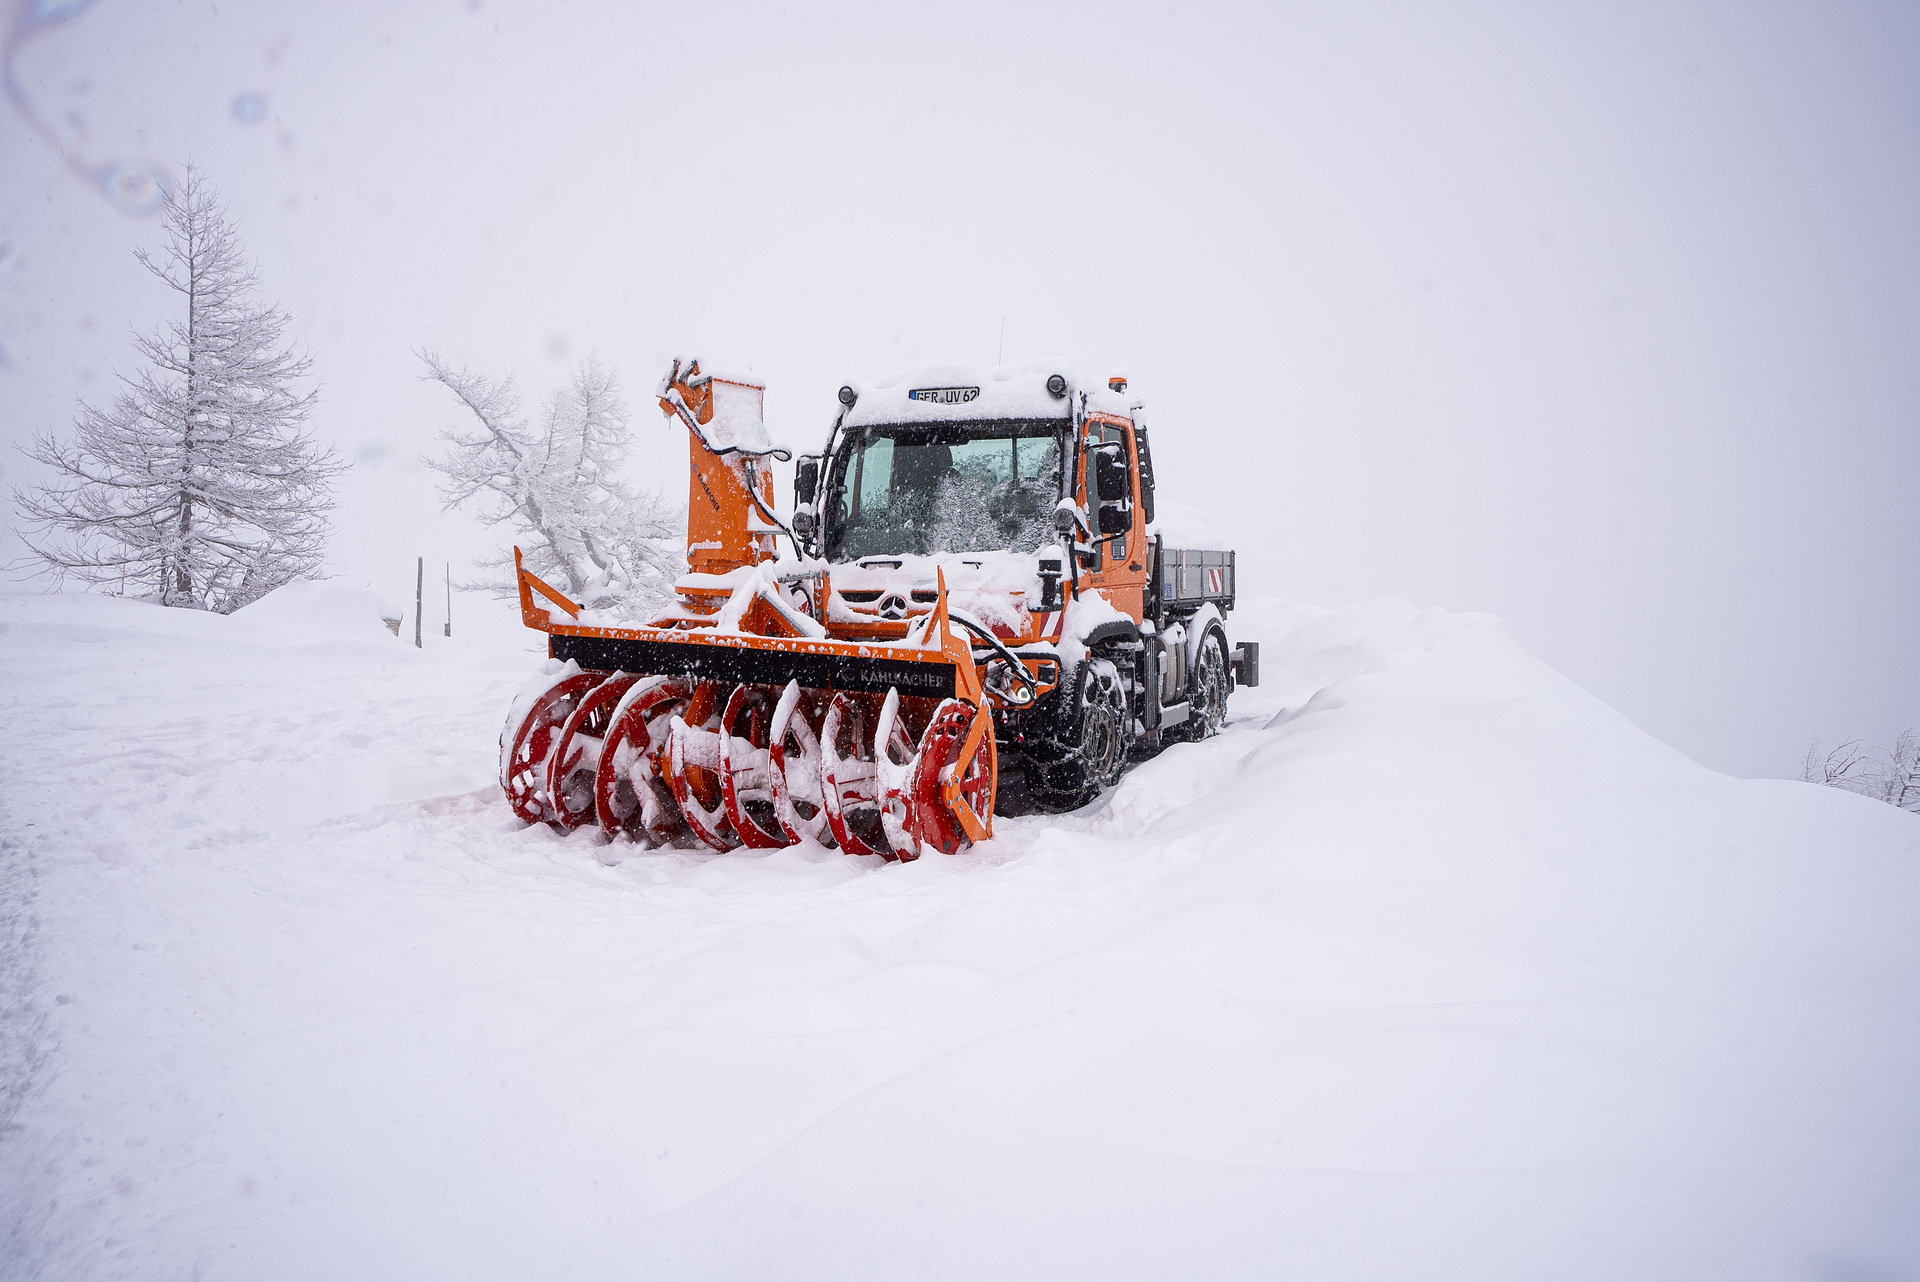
(309,608)
(1430,967)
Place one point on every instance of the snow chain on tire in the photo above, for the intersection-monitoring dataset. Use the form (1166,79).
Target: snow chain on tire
(1208,700)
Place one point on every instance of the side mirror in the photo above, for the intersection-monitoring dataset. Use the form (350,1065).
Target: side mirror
(806,479)
(1050,597)
(1116,518)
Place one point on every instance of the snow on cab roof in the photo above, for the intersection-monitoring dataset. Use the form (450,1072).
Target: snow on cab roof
(954,391)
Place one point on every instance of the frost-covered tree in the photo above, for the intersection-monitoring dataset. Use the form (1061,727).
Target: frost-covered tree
(199,485)
(557,484)
(1898,778)
(1891,774)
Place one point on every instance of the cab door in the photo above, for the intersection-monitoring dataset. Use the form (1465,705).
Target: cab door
(1119,524)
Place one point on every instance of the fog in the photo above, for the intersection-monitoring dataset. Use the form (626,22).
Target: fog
(1606,321)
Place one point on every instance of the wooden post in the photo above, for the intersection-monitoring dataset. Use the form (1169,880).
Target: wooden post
(449,598)
(419,597)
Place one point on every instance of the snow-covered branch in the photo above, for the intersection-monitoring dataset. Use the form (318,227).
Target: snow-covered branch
(557,486)
(1891,774)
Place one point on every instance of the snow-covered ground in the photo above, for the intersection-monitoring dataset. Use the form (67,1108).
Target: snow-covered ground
(1430,967)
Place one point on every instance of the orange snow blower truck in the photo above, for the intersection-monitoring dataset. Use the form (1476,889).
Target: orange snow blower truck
(975,591)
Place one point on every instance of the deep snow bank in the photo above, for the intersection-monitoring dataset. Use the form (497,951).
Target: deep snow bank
(317,608)
(1430,967)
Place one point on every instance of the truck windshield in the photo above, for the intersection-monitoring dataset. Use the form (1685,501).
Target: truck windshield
(958,487)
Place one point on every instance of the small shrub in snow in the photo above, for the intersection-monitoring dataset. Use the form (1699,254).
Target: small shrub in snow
(198,486)
(1891,774)
(557,484)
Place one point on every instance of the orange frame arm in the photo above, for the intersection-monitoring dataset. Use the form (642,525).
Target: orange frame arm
(536,616)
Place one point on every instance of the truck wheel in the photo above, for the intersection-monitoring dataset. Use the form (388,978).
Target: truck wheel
(1207,701)
(1103,725)
(1087,750)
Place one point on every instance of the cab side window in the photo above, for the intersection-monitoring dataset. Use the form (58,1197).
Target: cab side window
(1107,434)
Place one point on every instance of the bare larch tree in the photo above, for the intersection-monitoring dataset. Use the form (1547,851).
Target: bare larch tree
(558,486)
(199,486)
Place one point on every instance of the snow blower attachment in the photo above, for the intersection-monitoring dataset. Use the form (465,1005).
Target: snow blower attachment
(972,577)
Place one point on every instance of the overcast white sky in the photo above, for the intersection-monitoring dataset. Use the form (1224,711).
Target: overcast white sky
(1604,319)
